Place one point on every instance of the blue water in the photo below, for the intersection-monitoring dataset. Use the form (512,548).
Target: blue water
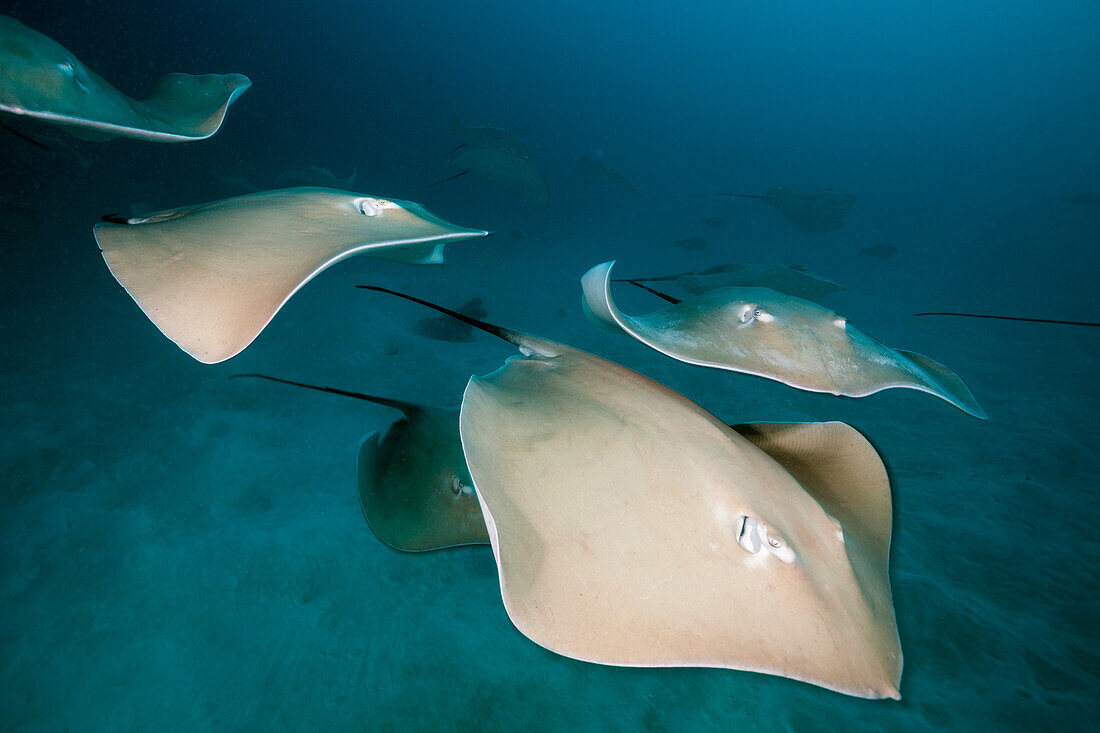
(182,552)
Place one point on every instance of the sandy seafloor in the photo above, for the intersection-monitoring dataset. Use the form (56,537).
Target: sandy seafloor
(183,552)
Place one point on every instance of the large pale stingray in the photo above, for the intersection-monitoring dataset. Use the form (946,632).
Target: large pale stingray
(41,79)
(510,169)
(212,276)
(815,211)
(632,527)
(414,487)
(790,279)
(769,334)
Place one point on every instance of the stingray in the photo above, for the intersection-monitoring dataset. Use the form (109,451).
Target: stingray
(487,136)
(790,279)
(445,328)
(414,487)
(769,334)
(631,527)
(510,169)
(1083,198)
(882,251)
(819,211)
(41,79)
(594,165)
(212,276)
(693,243)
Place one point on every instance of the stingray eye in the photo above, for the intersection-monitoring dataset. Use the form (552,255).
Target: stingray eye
(775,542)
(368,207)
(748,313)
(759,314)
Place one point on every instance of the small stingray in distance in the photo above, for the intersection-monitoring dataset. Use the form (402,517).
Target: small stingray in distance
(882,251)
(505,167)
(768,334)
(594,165)
(414,487)
(818,211)
(39,78)
(212,276)
(693,243)
(631,527)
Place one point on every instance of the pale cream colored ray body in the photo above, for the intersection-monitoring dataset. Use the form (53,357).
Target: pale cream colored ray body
(632,527)
(212,276)
(39,78)
(769,334)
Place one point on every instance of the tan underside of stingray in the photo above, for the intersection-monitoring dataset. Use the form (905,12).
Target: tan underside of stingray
(212,276)
(769,334)
(39,78)
(507,168)
(414,488)
(619,513)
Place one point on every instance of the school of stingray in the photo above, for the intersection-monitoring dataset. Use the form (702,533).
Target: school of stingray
(629,525)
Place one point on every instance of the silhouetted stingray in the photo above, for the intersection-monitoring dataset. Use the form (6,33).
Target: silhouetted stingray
(632,527)
(593,164)
(486,136)
(445,328)
(790,279)
(212,276)
(414,487)
(693,243)
(882,251)
(41,79)
(1084,198)
(505,167)
(822,211)
(769,334)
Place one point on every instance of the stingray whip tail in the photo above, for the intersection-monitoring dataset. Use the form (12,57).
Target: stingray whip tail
(658,293)
(513,337)
(1012,318)
(405,407)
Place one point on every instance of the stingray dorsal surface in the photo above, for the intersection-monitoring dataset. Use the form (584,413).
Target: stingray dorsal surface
(212,276)
(769,334)
(41,79)
(414,487)
(633,528)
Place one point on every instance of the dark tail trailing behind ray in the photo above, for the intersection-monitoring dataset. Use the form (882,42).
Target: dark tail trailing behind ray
(449,178)
(658,293)
(513,337)
(26,138)
(1013,318)
(405,407)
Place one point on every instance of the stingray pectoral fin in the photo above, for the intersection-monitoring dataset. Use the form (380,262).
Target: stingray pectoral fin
(195,106)
(596,299)
(840,468)
(944,383)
